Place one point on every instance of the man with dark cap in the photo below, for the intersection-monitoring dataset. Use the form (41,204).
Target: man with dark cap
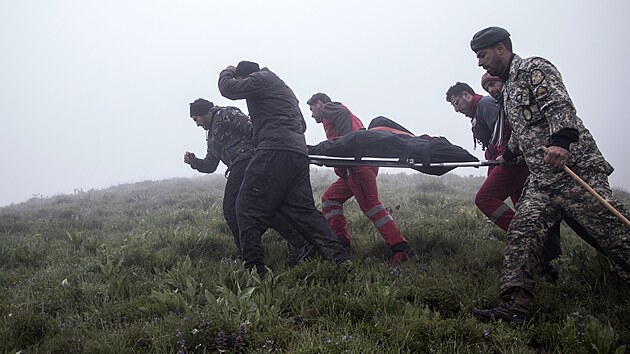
(548,134)
(277,179)
(358,181)
(229,137)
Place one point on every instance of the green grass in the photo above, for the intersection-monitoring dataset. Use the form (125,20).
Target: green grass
(149,268)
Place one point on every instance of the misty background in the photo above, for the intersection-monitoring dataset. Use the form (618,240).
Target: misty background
(96,93)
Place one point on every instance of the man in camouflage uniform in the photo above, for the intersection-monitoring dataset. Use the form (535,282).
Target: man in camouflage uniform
(492,131)
(229,137)
(548,134)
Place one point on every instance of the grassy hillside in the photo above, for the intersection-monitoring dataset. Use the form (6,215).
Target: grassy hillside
(149,268)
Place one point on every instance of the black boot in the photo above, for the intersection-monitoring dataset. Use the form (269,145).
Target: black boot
(515,309)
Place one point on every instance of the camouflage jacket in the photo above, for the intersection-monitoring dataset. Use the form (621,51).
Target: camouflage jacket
(538,106)
(229,136)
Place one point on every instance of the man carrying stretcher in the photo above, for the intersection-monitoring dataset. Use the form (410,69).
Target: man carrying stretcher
(357,181)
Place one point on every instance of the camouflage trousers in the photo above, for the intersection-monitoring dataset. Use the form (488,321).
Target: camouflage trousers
(541,207)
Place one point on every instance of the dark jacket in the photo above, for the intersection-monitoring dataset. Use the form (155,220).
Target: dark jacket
(338,120)
(273,108)
(229,136)
(487,128)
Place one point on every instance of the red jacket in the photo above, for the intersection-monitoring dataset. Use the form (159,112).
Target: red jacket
(338,120)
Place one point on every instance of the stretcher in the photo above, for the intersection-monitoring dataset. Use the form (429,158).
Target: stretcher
(388,144)
(330,161)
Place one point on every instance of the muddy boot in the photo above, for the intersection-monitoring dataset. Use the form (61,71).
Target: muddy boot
(515,309)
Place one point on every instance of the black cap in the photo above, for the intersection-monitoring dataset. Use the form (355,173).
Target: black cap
(200,107)
(245,68)
(487,37)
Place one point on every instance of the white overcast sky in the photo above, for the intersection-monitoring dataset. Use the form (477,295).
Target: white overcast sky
(96,93)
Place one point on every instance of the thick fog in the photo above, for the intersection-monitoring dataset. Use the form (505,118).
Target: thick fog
(96,93)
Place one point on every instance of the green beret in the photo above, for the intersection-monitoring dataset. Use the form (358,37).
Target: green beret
(487,37)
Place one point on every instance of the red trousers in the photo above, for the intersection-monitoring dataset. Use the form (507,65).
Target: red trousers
(359,182)
(501,183)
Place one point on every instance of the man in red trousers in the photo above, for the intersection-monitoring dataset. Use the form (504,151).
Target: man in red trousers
(492,130)
(358,181)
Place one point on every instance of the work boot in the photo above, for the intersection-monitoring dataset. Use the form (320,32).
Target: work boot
(402,252)
(515,309)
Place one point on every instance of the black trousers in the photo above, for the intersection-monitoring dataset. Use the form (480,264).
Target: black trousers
(278,181)
(551,246)
(230,195)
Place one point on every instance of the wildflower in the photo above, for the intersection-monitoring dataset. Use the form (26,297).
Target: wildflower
(221,341)
(238,342)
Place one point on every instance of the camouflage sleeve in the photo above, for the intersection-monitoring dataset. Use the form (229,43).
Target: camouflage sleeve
(513,146)
(240,122)
(551,96)
(207,165)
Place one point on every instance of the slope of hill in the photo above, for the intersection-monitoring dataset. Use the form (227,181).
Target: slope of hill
(150,267)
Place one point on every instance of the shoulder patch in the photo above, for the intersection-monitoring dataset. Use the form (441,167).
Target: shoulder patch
(541,92)
(537,77)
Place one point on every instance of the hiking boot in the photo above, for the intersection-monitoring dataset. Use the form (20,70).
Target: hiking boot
(502,312)
(402,256)
(515,309)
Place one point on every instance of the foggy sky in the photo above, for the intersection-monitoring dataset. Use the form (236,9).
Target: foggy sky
(96,93)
